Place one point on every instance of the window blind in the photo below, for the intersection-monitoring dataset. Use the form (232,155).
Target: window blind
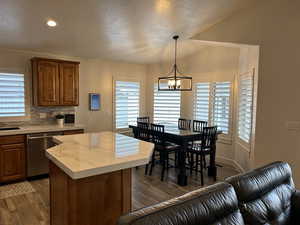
(245,108)
(212,104)
(221,106)
(12,95)
(166,106)
(127,102)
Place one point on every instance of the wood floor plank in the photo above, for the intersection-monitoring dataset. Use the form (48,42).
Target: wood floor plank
(33,208)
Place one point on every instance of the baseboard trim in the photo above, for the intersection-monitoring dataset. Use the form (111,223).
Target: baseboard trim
(230,162)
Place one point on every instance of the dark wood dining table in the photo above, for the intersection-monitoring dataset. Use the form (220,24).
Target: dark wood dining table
(183,137)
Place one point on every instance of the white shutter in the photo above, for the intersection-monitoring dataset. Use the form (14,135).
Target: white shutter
(166,106)
(12,95)
(245,108)
(221,105)
(127,99)
(201,101)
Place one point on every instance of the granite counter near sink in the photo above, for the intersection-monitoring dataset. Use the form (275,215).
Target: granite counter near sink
(31,129)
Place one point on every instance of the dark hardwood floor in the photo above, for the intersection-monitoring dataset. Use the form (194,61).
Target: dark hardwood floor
(33,208)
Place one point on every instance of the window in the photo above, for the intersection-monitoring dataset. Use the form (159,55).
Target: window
(12,95)
(166,106)
(127,101)
(212,104)
(245,108)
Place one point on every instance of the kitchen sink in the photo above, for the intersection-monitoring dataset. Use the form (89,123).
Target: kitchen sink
(9,128)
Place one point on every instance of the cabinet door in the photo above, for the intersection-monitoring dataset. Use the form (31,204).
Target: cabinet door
(69,84)
(48,83)
(12,159)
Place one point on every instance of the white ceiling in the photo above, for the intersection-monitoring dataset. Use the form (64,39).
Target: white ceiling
(127,30)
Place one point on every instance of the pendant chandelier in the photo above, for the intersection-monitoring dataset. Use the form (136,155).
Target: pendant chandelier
(175,81)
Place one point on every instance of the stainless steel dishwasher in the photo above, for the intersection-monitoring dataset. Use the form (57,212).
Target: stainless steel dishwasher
(37,163)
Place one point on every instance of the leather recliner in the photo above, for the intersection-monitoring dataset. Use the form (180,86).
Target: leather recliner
(267,195)
(263,196)
(216,204)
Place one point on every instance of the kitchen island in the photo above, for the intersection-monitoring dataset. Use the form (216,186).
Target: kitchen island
(90,177)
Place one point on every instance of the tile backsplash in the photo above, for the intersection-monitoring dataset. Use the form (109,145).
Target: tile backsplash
(50,113)
(35,119)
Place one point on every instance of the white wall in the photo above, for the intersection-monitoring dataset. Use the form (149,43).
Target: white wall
(274,26)
(97,77)
(214,63)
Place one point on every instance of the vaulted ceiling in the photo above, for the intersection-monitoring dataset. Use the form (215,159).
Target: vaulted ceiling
(127,30)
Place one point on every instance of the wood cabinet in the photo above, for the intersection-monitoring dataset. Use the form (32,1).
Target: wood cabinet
(55,82)
(95,200)
(12,158)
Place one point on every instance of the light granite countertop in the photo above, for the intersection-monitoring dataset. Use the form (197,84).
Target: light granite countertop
(31,129)
(90,154)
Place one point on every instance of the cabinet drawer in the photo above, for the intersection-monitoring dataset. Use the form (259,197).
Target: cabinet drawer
(13,146)
(69,132)
(13,139)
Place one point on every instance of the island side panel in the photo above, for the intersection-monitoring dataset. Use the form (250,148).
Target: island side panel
(96,200)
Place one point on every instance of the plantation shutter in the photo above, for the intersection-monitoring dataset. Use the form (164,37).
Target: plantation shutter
(201,101)
(166,106)
(221,106)
(127,99)
(245,108)
(12,95)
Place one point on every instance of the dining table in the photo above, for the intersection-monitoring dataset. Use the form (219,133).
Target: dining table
(182,137)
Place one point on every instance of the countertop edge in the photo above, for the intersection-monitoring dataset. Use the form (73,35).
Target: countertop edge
(96,171)
(41,129)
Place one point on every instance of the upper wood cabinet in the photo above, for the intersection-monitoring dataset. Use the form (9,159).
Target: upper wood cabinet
(55,82)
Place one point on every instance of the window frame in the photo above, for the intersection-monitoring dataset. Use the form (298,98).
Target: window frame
(27,96)
(224,138)
(124,79)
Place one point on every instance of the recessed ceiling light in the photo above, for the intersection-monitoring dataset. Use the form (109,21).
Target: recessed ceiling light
(51,23)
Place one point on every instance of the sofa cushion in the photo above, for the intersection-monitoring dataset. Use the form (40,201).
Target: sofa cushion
(265,193)
(216,204)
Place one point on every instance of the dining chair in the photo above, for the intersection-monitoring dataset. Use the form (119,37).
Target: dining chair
(198,125)
(143,119)
(162,147)
(184,124)
(143,131)
(199,152)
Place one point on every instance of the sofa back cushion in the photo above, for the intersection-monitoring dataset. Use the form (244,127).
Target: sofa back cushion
(265,193)
(216,204)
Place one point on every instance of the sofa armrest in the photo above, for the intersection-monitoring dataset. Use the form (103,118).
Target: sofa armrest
(296,206)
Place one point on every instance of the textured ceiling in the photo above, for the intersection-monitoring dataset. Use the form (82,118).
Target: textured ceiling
(127,30)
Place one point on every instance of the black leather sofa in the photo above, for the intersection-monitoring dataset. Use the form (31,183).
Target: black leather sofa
(267,195)
(264,196)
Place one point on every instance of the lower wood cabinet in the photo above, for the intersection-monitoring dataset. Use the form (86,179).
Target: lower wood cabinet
(12,158)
